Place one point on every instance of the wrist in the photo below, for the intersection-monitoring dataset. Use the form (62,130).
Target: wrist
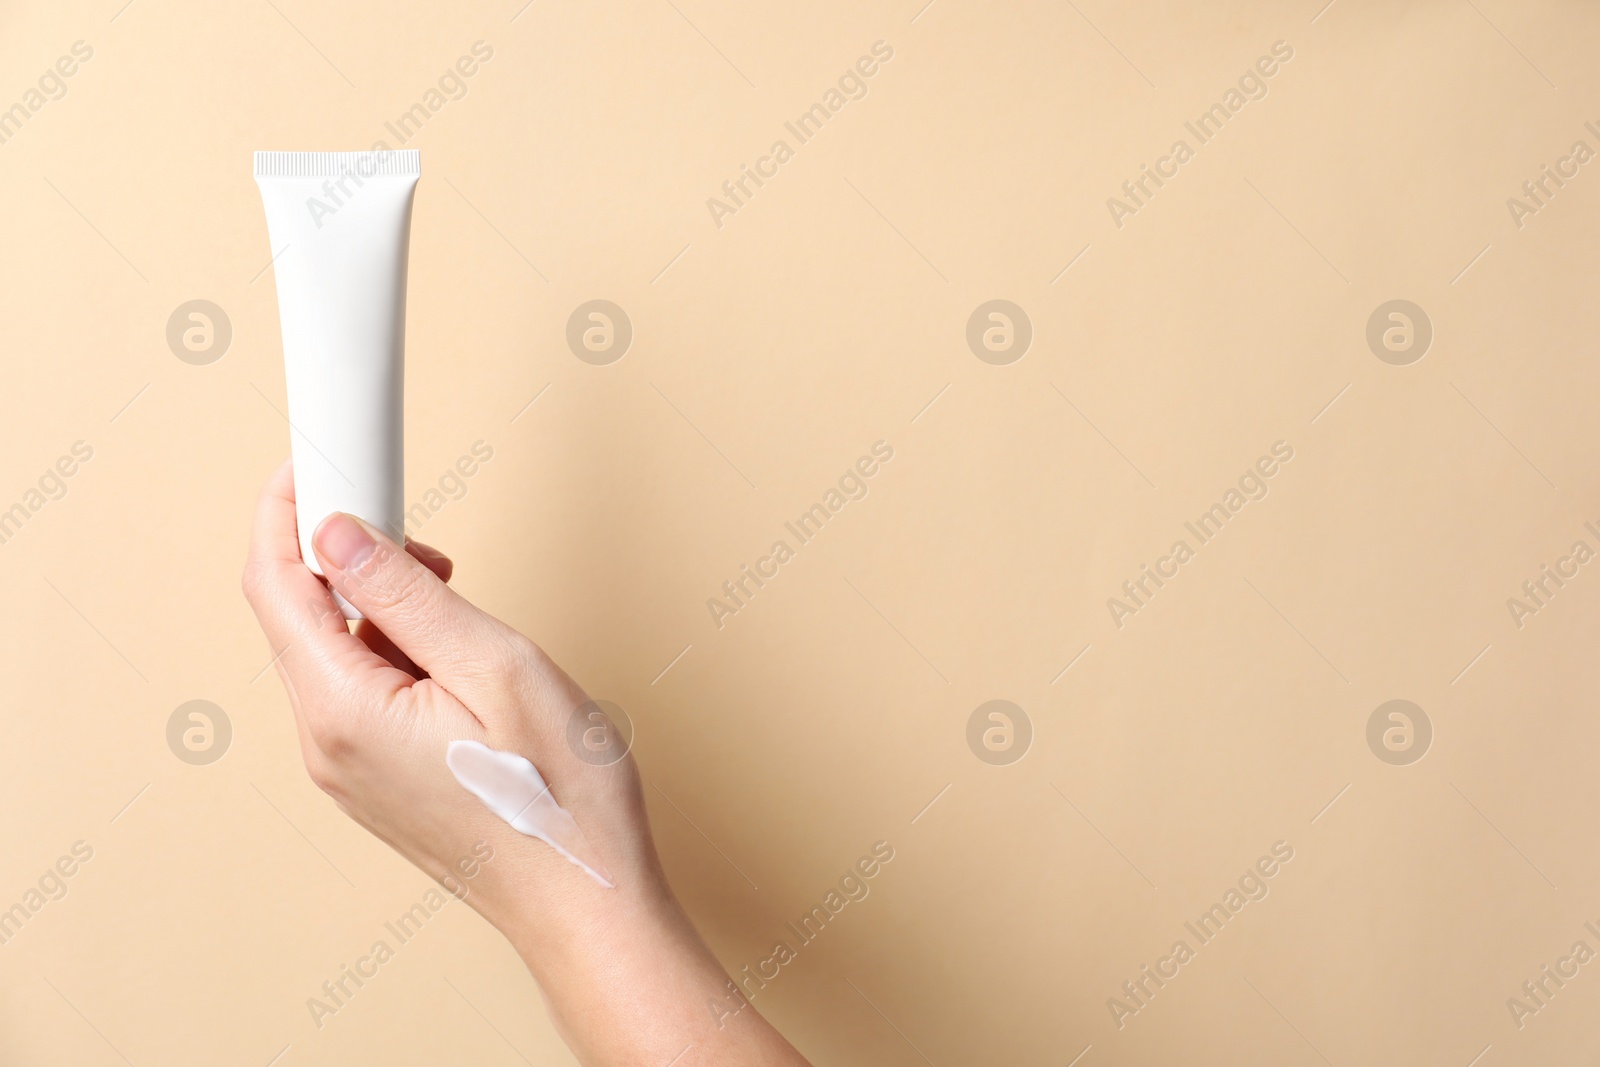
(633,982)
(627,981)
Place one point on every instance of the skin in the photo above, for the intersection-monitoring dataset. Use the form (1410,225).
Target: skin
(625,976)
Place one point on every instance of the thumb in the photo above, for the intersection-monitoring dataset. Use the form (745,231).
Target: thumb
(470,653)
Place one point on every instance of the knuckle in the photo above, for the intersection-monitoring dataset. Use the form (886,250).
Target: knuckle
(254,579)
(319,609)
(531,679)
(318,768)
(332,738)
(514,663)
(519,654)
(391,583)
(499,668)
(322,776)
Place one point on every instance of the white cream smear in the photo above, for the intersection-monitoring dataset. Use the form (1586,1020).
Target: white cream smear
(513,789)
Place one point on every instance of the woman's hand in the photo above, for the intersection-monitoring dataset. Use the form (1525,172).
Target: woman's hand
(626,977)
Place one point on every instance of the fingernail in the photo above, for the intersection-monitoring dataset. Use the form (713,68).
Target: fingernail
(343,541)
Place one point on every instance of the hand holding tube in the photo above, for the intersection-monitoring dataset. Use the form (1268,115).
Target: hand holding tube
(626,976)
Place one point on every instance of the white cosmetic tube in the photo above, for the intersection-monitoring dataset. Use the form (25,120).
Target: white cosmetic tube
(340,226)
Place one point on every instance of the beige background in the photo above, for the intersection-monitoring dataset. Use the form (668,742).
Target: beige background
(826,315)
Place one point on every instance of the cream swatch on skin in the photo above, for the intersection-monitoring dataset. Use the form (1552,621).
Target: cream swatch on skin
(513,789)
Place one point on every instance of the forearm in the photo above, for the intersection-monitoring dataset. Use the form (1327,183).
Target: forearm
(639,986)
